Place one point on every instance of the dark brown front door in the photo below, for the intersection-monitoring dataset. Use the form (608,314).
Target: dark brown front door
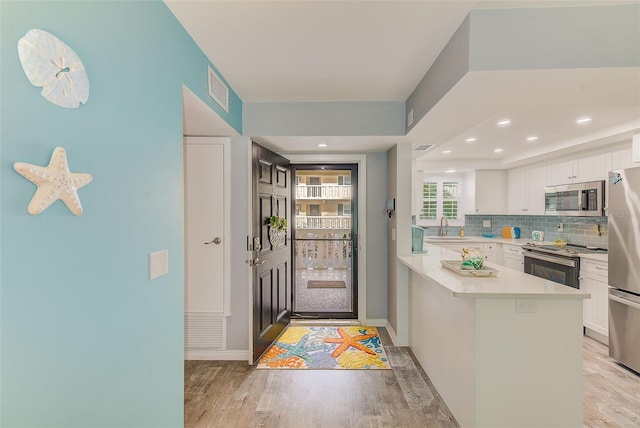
(271,269)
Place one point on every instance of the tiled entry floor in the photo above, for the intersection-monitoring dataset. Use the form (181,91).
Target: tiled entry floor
(322,299)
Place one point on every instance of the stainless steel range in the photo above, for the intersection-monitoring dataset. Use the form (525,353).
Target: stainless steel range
(560,264)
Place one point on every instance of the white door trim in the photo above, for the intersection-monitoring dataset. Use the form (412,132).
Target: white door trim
(249,148)
(361,160)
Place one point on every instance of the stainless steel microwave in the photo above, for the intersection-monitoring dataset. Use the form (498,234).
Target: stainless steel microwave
(576,199)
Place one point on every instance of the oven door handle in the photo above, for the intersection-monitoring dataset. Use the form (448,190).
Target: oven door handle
(563,262)
(624,301)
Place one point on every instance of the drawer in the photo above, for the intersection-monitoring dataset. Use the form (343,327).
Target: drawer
(512,252)
(594,269)
(489,248)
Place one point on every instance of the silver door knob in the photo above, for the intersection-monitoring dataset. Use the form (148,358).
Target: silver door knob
(215,240)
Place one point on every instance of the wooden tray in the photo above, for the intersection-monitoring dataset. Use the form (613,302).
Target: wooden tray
(455,266)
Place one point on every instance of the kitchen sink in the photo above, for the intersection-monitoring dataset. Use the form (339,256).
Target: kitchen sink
(446,238)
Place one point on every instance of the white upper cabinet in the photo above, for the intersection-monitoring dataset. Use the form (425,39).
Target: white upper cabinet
(560,171)
(526,189)
(591,166)
(485,192)
(517,191)
(587,166)
(619,157)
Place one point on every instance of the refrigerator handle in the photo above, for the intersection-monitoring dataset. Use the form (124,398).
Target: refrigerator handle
(624,301)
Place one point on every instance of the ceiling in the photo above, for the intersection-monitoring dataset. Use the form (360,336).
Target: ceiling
(291,51)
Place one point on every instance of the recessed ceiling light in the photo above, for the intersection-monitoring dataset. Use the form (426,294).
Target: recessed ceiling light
(532,138)
(322,145)
(583,120)
(498,150)
(450,170)
(471,140)
(446,152)
(504,122)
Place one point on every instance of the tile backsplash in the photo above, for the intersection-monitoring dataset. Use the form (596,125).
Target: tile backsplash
(576,230)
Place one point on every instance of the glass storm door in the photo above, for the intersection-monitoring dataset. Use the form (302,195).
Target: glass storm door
(325,235)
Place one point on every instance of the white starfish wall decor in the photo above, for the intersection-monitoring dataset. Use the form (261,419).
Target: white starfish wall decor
(54,182)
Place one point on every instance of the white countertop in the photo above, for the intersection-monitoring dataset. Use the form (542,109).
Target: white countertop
(500,240)
(475,239)
(508,283)
(598,257)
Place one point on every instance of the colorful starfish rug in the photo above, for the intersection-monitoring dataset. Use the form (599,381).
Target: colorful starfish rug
(353,347)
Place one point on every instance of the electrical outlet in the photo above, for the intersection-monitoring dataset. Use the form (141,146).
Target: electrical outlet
(560,227)
(486,223)
(526,306)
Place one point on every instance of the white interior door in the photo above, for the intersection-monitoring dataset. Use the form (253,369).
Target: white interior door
(204,227)
(207,291)
(204,185)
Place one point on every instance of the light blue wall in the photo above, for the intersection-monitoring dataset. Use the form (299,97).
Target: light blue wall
(557,37)
(324,118)
(531,39)
(86,338)
(376,235)
(449,67)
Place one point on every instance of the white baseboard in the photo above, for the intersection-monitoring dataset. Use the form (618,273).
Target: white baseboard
(228,355)
(392,333)
(376,322)
(602,338)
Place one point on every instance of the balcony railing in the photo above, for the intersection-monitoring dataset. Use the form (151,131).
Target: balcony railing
(323,191)
(323,222)
(326,251)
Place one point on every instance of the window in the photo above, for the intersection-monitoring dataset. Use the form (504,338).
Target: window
(441,198)
(429,200)
(344,209)
(450,197)
(344,180)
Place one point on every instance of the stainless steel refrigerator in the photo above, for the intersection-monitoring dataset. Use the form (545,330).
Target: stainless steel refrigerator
(623,213)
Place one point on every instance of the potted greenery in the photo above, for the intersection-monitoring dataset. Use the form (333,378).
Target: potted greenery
(277,229)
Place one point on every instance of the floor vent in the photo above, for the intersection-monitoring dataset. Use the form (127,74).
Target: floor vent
(218,90)
(204,330)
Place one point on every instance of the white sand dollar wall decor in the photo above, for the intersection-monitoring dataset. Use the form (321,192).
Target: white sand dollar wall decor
(54,182)
(53,66)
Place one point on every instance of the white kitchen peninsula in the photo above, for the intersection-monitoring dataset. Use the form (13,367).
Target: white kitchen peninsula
(504,351)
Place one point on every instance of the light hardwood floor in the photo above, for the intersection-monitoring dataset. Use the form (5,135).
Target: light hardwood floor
(611,392)
(232,394)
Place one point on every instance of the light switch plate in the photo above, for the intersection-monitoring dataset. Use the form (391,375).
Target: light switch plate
(158,264)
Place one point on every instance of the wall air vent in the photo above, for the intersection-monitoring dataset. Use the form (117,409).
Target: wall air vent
(422,147)
(218,90)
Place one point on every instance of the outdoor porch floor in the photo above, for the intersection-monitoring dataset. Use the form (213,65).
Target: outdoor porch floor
(322,299)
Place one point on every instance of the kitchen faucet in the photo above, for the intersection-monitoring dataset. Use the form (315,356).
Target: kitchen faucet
(446,224)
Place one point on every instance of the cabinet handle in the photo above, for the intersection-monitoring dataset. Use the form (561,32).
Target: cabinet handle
(601,268)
